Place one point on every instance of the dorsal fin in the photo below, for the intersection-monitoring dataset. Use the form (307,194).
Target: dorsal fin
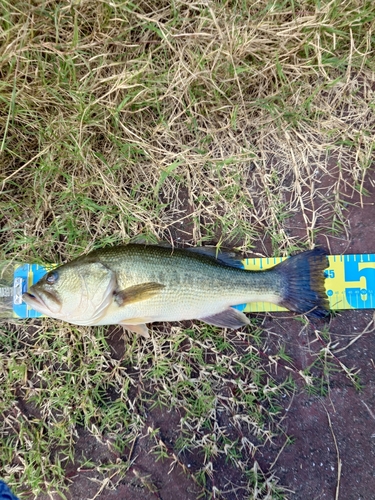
(228,258)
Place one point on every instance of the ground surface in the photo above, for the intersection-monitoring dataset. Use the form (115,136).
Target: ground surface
(333,435)
(226,123)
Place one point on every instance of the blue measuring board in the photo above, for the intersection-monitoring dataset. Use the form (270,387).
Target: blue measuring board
(25,276)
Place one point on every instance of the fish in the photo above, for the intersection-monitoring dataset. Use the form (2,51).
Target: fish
(136,284)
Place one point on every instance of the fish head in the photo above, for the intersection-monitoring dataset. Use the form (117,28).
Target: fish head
(75,292)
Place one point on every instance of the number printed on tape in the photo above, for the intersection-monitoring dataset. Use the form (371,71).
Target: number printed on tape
(353,282)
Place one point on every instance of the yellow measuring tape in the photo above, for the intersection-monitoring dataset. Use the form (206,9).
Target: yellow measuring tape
(350,281)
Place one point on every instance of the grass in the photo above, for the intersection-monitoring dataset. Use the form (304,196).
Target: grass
(229,123)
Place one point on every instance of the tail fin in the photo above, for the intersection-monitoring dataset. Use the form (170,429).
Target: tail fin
(303,283)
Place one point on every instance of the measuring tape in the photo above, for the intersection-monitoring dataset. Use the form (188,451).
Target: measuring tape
(350,283)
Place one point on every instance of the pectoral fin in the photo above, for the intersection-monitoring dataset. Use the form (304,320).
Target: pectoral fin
(140,329)
(137,293)
(230,318)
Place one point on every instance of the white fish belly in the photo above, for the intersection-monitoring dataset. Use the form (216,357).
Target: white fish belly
(176,307)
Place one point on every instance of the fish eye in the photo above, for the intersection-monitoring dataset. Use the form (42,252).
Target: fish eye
(52,277)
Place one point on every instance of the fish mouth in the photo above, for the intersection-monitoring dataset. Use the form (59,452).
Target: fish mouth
(34,301)
(37,302)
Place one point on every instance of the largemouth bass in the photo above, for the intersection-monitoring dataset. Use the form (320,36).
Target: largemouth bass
(135,284)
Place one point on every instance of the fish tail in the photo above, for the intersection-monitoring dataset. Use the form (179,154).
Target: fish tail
(303,283)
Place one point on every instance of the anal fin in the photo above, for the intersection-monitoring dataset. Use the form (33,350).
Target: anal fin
(140,329)
(230,318)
